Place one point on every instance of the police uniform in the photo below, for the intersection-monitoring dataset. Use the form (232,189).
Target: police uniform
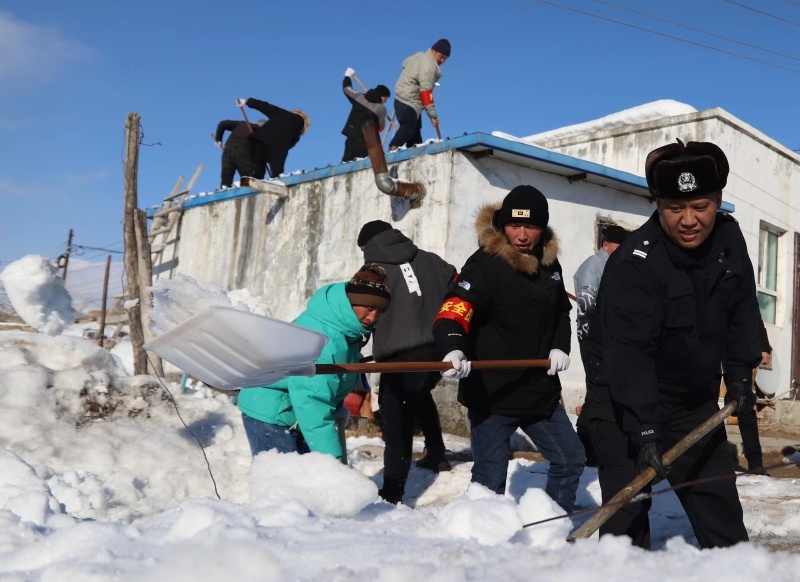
(668,321)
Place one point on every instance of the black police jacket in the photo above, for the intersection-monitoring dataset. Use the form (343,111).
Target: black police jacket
(668,322)
(507,305)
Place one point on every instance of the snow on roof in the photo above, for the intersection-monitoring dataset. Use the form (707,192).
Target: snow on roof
(639,114)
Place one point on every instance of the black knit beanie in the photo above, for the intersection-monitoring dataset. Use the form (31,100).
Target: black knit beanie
(523,205)
(442,46)
(371,229)
(614,233)
(383,91)
(369,288)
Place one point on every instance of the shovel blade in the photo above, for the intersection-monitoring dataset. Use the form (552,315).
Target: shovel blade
(230,349)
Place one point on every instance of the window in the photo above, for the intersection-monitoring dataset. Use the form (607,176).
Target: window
(767,282)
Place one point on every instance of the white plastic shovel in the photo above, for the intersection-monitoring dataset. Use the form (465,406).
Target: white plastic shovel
(230,349)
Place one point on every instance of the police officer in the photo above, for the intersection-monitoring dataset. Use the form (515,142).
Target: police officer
(677,304)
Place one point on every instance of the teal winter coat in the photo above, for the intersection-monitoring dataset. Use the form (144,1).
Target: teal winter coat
(311,402)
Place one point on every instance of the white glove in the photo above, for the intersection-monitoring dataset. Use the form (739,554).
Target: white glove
(559,361)
(461,365)
(349,72)
(241,102)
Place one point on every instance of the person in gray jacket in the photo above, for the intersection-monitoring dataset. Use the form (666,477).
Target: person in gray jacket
(587,282)
(414,92)
(420,280)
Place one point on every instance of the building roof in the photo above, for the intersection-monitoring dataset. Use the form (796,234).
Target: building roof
(479,144)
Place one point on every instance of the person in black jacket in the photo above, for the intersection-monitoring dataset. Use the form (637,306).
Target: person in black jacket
(510,303)
(272,141)
(236,154)
(369,105)
(420,280)
(677,304)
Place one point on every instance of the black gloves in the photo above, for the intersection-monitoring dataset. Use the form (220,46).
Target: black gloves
(743,394)
(650,456)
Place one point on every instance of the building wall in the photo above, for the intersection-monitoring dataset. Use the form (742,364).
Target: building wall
(283,251)
(763,176)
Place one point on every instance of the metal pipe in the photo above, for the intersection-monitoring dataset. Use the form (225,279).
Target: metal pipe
(383,180)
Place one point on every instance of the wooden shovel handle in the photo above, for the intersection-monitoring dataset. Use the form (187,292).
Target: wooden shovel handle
(425,366)
(626,493)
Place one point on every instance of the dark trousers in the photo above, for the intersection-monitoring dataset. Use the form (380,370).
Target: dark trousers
(402,396)
(409,131)
(264,161)
(235,159)
(713,508)
(748,428)
(490,437)
(354,147)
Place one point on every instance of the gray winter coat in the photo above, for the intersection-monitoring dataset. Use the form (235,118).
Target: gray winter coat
(587,282)
(420,73)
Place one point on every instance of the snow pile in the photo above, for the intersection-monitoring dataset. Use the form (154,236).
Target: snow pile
(178,299)
(37,293)
(639,114)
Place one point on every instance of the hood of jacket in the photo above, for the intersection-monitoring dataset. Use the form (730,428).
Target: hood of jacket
(494,242)
(329,305)
(391,247)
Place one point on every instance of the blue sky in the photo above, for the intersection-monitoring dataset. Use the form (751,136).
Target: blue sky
(70,72)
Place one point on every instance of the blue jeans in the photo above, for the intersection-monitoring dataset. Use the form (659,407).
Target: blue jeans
(554,437)
(263,436)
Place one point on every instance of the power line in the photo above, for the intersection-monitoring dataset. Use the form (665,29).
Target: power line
(698,30)
(671,37)
(762,12)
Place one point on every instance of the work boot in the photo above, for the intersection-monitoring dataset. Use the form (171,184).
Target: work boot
(434,461)
(392,491)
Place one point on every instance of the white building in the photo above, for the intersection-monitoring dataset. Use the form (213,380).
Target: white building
(284,249)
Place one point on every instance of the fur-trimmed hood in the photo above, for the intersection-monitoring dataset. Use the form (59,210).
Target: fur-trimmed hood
(494,242)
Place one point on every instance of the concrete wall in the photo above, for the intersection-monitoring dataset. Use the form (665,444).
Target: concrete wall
(764,175)
(284,250)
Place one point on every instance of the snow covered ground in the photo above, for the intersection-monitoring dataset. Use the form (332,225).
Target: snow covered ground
(103,477)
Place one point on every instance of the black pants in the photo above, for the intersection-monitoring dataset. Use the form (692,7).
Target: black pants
(713,508)
(354,147)
(265,161)
(748,428)
(405,397)
(235,159)
(409,130)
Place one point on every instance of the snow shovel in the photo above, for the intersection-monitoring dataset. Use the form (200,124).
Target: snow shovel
(231,349)
(626,493)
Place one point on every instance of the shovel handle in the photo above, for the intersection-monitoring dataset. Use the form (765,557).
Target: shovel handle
(247,121)
(626,493)
(425,366)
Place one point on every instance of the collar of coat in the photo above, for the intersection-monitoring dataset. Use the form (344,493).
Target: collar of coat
(494,242)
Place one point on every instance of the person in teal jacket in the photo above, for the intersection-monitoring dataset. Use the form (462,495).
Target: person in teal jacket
(298,413)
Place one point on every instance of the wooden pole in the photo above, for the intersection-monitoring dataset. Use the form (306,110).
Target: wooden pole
(145,270)
(101,334)
(66,256)
(425,366)
(626,493)
(130,185)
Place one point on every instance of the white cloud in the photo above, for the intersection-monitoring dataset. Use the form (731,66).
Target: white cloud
(32,52)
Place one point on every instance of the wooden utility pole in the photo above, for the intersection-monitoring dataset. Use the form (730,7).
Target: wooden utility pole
(66,256)
(130,188)
(145,281)
(101,334)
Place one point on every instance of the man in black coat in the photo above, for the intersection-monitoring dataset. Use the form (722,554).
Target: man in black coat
(510,303)
(369,105)
(236,154)
(272,141)
(420,280)
(677,304)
